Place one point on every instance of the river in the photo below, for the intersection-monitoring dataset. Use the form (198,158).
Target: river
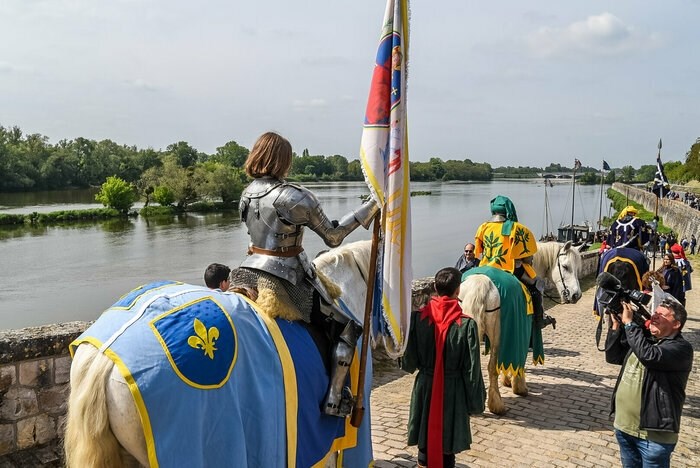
(53,274)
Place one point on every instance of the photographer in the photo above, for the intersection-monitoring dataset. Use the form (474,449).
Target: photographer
(650,390)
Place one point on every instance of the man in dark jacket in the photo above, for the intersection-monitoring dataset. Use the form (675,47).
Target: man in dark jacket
(650,390)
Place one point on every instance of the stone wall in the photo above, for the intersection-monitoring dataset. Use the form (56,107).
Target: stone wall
(35,369)
(678,216)
(34,373)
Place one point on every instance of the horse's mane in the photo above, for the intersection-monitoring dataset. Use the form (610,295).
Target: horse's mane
(358,252)
(547,253)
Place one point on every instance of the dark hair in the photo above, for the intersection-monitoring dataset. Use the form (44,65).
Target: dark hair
(670,257)
(679,312)
(271,156)
(215,274)
(447,281)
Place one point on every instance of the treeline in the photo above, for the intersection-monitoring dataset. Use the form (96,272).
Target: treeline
(180,174)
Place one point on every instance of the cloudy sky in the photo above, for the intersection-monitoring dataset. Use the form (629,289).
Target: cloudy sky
(507,82)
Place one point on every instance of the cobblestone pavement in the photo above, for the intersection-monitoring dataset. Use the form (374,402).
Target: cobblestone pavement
(564,420)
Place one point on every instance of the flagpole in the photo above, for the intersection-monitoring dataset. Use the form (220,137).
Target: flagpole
(358,411)
(600,203)
(573,202)
(656,212)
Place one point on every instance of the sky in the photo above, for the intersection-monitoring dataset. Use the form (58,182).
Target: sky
(511,82)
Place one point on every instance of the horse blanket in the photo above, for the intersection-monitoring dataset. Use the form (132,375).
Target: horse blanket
(217,383)
(516,322)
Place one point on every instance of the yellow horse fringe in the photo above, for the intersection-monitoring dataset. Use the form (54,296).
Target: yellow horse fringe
(89,441)
(281,306)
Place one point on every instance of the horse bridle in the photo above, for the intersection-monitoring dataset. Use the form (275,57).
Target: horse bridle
(566,293)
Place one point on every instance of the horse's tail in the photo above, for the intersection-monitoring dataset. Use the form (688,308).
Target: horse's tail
(477,294)
(89,441)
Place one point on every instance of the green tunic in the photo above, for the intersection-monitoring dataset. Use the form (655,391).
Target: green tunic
(464,384)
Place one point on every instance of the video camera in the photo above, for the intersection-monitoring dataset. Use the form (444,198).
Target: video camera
(611,294)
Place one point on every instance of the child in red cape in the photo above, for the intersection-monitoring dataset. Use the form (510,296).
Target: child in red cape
(443,344)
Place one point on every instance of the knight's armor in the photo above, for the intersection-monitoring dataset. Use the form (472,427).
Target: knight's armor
(276,212)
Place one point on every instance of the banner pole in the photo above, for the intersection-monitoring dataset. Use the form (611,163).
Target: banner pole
(358,411)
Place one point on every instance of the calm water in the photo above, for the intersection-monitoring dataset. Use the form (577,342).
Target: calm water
(54,274)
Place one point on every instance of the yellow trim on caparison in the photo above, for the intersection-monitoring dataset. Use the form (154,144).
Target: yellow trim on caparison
(135,300)
(626,260)
(289,378)
(160,339)
(135,393)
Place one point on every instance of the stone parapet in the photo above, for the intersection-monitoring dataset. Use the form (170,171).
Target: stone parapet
(34,375)
(678,216)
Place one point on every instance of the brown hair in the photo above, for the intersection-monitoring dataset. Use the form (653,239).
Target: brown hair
(646,279)
(271,156)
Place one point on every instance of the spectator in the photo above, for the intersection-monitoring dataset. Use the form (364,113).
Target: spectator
(693,243)
(443,344)
(216,276)
(468,260)
(673,278)
(650,391)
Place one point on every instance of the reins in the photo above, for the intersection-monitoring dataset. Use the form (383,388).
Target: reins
(566,293)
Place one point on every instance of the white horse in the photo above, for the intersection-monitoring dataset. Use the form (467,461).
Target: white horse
(108,425)
(558,263)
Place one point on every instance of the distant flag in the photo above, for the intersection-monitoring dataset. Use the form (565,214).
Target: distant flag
(606,166)
(661,186)
(384,160)
(577,164)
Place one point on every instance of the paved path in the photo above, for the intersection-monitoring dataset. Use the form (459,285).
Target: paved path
(564,420)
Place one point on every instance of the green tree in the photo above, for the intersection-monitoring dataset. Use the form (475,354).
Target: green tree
(163,196)
(231,154)
(627,174)
(610,177)
(185,155)
(692,161)
(218,180)
(645,173)
(117,193)
(179,180)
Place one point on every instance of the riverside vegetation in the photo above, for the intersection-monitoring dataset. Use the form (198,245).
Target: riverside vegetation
(181,178)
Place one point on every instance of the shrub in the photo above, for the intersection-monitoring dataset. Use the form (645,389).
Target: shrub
(117,193)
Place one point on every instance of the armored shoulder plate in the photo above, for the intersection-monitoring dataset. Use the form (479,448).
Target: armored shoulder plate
(295,204)
(260,187)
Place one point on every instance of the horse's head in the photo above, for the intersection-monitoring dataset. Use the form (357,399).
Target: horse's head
(561,264)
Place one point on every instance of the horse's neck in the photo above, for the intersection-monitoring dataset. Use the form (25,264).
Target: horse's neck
(545,260)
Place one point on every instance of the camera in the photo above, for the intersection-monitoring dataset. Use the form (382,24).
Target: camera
(611,294)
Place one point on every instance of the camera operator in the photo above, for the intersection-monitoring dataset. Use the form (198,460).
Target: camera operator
(650,390)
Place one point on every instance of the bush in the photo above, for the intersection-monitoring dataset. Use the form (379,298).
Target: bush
(163,196)
(117,193)
(9,219)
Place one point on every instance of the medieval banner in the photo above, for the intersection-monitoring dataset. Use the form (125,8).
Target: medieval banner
(384,159)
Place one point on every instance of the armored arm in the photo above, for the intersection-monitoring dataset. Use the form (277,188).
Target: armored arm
(299,206)
(333,232)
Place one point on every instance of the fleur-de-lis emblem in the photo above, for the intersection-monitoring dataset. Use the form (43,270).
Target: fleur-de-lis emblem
(204,339)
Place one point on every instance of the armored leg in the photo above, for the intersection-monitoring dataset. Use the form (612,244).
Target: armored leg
(540,318)
(339,400)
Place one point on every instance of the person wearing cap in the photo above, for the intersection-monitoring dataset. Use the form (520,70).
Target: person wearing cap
(504,243)
(626,227)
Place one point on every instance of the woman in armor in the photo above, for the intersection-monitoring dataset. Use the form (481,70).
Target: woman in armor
(276,213)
